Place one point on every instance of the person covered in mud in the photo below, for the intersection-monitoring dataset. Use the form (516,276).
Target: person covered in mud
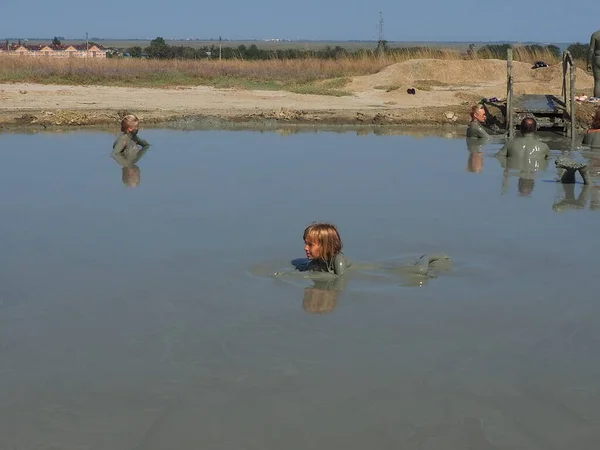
(128,149)
(593,62)
(128,144)
(527,145)
(592,136)
(478,117)
(323,247)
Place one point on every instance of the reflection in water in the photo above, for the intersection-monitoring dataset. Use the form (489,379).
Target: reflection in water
(130,171)
(525,169)
(475,161)
(323,296)
(566,200)
(192,345)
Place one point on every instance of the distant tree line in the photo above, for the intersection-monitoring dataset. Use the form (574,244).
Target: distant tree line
(579,50)
(159,49)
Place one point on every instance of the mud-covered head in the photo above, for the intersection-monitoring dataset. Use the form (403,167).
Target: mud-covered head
(322,241)
(130,123)
(528,125)
(478,112)
(596,119)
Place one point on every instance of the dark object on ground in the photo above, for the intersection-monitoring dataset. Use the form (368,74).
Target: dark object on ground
(411,91)
(490,100)
(539,64)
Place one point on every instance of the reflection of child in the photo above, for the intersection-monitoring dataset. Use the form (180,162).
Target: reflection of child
(128,144)
(131,176)
(323,247)
(319,301)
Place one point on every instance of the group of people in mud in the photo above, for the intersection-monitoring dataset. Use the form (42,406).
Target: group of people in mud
(528,146)
(322,241)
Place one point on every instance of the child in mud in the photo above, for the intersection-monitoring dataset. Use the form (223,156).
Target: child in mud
(592,137)
(127,145)
(323,247)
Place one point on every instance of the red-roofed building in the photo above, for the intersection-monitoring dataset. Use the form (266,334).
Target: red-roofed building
(54,51)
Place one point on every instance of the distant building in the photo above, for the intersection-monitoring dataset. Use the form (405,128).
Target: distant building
(54,51)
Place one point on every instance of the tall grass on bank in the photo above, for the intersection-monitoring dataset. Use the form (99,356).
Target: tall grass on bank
(300,75)
(156,72)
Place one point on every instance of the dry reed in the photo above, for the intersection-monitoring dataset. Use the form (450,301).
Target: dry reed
(265,74)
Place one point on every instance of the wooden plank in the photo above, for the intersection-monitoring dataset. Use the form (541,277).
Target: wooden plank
(539,103)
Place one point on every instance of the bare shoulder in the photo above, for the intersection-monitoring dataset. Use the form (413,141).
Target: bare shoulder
(340,263)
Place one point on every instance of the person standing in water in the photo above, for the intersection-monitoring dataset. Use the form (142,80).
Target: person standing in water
(593,63)
(128,149)
(478,116)
(128,144)
(527,145)
(323,246)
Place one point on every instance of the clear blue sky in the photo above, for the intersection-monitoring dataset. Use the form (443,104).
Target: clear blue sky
(423,20)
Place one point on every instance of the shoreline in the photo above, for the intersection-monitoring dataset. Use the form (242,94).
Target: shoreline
(432,118)
(381,99)
(49,118)
(27,104)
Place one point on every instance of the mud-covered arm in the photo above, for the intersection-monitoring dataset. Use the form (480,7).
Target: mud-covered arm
(502,152)
(117,152)
(478,131)
(119,145)
(140,153)
(340,264)
(547,154)
(139,141)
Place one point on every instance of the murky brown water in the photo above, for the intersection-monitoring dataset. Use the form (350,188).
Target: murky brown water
(147,319)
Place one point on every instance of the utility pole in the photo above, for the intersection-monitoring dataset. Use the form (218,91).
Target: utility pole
(87,46)
(220,39)
(381,42)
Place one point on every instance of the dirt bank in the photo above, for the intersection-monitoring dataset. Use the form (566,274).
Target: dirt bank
(444,91)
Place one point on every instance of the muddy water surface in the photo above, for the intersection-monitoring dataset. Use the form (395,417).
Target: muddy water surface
(147,318)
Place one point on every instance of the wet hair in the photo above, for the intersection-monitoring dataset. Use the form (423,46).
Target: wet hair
(528,125)
(327,236)
(476,107)
(596,119)
(129,121)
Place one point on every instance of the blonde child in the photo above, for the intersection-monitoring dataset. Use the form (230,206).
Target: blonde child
(127,145)
(323,247)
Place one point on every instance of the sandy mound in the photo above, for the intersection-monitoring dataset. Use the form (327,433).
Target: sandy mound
(452,74)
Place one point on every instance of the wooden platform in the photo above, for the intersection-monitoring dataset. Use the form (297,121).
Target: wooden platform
(549,111)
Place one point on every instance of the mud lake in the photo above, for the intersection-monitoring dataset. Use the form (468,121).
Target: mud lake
(149,317)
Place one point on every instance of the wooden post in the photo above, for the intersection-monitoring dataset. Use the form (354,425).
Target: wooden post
(573,103)
(509,92)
